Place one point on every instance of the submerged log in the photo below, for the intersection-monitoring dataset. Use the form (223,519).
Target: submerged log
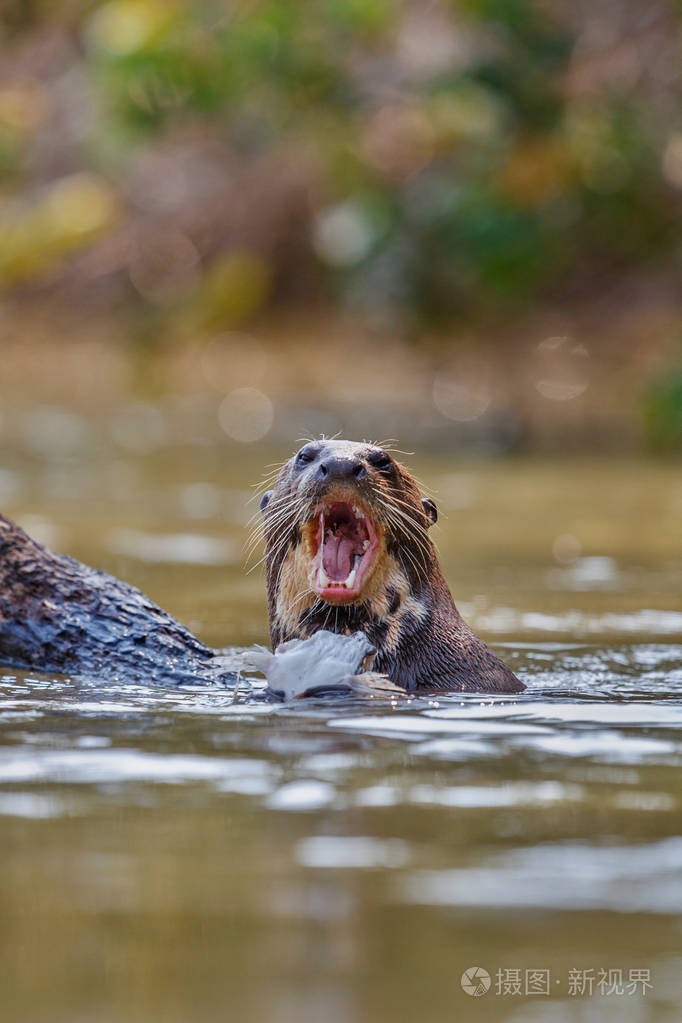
(58,615)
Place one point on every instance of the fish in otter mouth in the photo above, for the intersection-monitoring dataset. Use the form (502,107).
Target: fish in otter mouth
(347,549)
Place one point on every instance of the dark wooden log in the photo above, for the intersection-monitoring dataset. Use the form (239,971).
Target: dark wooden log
(58,615)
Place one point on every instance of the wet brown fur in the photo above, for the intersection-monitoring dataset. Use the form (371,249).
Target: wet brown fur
(405,608)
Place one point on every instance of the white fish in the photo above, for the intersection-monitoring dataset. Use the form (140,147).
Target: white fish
(326,661)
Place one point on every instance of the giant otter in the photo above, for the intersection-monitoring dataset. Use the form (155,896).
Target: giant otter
(347,548)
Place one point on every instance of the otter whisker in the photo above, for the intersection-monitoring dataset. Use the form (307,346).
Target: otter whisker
(293,603)
(275,538)
(258,532)
(389,445)
(408,506)
(413,522)
(429,491)
(303,595)
(275,553)
(257,524)
(405,552)
(421,565)
(271,548)
(278,543)
(399,517)
(276,514)
(268,476)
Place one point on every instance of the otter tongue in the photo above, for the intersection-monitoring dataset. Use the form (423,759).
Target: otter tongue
(337,557)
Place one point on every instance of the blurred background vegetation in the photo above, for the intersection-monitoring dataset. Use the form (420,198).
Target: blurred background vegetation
(455,220)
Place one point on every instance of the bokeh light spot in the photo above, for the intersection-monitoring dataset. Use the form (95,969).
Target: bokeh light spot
(342,234)
(246,414)
(460,398)
(124,27)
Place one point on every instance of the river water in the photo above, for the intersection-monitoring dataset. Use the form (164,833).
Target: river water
(200,855)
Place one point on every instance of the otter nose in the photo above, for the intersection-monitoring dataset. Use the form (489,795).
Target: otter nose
(342,469)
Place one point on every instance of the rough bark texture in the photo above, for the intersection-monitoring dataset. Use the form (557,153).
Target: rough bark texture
(58,615)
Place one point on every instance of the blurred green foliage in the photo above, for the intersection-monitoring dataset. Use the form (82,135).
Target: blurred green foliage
(662,410)
(457,155)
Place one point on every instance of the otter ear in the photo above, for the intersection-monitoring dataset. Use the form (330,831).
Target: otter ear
(430,509)
(264,499)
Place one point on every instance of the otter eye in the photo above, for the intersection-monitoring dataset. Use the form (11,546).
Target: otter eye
(380,460)
(305,455)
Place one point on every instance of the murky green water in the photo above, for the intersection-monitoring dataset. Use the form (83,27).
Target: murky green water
(178,856)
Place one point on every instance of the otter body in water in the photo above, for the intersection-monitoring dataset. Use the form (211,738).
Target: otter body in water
(347,549)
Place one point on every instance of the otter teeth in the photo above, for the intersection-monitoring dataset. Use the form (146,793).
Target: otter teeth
(324,581)
(350,578)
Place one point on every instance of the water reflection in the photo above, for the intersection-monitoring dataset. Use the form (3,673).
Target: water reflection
(625,879)
(163,807)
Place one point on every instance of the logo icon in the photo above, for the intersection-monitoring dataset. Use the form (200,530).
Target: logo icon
(475,981)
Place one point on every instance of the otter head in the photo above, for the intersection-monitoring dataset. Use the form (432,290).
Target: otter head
(345,530)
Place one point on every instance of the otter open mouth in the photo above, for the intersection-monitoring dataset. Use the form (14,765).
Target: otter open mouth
(346,547)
